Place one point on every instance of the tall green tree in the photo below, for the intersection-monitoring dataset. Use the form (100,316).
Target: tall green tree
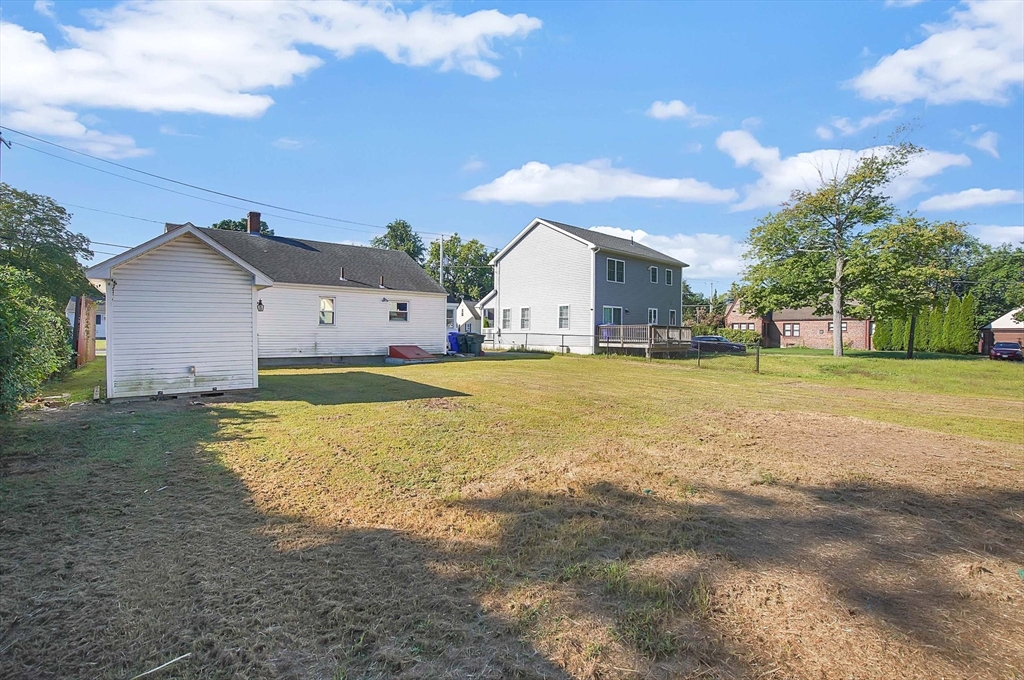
(801,252)
(882,339)
(34,237)
(241,225)
(400,236)
(967,326)
(467,273)
(902,268)
(899,329)
(693,305)
(936,319)
(995,276)
(949,324)
(33,337)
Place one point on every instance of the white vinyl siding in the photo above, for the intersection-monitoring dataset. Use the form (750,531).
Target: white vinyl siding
(543,271)
(179,306)
(287,330)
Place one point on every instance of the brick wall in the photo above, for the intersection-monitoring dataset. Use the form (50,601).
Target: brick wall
(815,333)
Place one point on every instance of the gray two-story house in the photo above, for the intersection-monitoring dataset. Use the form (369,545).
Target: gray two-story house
(555,283)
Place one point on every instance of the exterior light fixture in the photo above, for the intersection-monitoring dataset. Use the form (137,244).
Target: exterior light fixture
(259,306)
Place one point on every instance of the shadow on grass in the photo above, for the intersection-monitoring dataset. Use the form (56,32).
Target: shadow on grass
(126,544)
(346,387)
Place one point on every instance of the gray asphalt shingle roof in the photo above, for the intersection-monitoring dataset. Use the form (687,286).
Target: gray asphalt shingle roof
(619,245)
(317,263)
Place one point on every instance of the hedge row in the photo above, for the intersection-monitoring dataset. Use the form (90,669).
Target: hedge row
(950,328)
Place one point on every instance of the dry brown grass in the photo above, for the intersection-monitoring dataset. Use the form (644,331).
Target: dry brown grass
(334,538)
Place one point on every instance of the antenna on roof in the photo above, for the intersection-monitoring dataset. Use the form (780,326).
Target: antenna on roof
(631,239)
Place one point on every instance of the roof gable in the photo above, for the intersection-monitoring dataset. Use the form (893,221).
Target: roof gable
(617,244)
(1006,321)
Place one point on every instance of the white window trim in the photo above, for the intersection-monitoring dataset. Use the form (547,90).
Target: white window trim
(655,310)
(528,315)
(503,319)
(673,318)
(653,276)
(612,259)
(392,303)
(334,310)
(613,308)
(668,276)
(568,317)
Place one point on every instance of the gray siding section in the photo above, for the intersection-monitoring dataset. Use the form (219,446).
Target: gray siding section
(544,270)
(637,294)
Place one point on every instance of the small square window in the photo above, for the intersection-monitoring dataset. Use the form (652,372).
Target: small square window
(524,318)
(326,311)
(654,274)
(399,311)
(668,277)
(506,319)
(563,316)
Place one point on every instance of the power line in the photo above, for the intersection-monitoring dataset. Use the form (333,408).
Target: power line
(107,212)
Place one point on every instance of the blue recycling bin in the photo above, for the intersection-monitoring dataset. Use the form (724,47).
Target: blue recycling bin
(453,341)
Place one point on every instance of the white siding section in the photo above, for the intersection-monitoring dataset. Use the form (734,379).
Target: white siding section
(289,325)
(544,270)
(178,306)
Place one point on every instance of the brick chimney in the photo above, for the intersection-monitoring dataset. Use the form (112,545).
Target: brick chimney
(252,224)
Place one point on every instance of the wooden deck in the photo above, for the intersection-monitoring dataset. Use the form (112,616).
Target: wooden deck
(650,339)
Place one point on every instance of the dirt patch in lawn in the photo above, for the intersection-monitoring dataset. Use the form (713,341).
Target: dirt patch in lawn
(710,548)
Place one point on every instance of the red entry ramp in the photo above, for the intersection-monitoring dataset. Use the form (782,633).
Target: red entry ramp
(410,353)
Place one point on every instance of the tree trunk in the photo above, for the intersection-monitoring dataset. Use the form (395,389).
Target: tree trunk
(837,309)
(910,336)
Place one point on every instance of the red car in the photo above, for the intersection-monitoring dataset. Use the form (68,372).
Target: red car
(1006,350)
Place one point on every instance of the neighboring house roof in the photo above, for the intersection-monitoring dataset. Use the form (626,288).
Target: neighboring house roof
(804,314)
(1006,322)
(318,263)
(471,306)
(594,239)
(454,299)
(619,245)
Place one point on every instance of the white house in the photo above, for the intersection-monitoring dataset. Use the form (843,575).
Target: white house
(554,283)
(101,316)
(197,310)
(467,317)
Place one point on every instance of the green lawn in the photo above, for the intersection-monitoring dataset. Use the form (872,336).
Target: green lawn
(534,516)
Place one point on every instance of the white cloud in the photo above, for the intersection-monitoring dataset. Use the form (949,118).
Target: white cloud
(903,3)
(977,56)
(677,109)
(474,164)
(44,7)
(49,120)
(846,128)
(824,132)
(987,142)
(287,143)
(172,131)
(996,235)
(972,198)
(220,58)
(781,176)
(536,183)
(710,256)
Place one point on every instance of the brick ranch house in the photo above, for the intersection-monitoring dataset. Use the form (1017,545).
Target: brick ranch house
(799,328)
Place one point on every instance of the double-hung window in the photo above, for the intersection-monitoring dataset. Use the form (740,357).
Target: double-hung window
(450,318)
(398,311)
(616,270)
(652,315)
(654,274)
(612,315)
(326,311)
(791,330)
(831,326)
(668,277)
(672,319)
(524,318)
(563,316)
(506,319)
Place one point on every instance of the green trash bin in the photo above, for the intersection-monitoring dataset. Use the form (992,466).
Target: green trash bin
(463,344)
(476,343)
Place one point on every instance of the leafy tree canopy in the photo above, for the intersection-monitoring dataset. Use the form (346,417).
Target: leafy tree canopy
(995,277)
(800,253)
(35,238)
(400,236)
(241,225)
(466,272)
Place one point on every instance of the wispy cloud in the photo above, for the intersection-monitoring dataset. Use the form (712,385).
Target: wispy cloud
(710,256)
(288,144)
(995,235)
(972,198)
(172,131)
(987,142)
(845,127)
(44,7)
(474,164)
(537,183)
(677,109)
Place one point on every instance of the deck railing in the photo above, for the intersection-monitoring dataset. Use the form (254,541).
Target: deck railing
(643,336)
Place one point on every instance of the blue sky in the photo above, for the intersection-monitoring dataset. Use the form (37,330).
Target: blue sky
(678,123)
